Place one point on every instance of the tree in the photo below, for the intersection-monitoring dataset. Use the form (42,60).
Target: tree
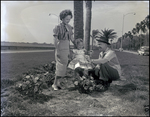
(94,33)
(143,27)
(131,38)
(137,30)
(134,33)
(142,30)
(78,19)
(125,35)
(125,41)
(118,43)
(146,22)
(88,25)
(108,34)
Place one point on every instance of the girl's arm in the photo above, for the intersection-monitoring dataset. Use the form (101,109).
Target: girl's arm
(72,54)
(85,51)
(88,58)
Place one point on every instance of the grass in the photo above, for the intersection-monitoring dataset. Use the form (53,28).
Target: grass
(123,98)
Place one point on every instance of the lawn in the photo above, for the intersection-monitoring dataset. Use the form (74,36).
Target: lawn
(125,97)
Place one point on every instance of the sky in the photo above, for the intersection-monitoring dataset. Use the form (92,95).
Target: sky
(29,21)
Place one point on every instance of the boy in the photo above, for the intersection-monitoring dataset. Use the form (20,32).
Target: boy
(107,65)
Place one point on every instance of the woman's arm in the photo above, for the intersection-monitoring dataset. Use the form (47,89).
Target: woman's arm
(55,41)
(56,32)
(72,39)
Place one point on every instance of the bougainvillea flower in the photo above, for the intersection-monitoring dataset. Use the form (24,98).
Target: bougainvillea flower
(27,76)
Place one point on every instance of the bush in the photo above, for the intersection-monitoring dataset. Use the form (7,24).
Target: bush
(87,84)
(33,83)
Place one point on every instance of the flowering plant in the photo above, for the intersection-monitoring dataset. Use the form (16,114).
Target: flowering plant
(36,79)
(87,84)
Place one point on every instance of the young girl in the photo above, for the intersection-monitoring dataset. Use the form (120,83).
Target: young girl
(62,36)
(79,58)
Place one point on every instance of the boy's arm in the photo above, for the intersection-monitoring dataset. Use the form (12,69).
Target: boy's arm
(88,58)
(107,58)
(99,61)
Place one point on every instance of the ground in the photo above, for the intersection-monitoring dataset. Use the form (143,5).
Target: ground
(125,97)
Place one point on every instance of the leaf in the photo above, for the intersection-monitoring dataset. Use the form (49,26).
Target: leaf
(35,89)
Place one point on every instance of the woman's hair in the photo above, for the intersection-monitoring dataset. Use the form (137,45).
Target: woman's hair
(77,41)
(65,13)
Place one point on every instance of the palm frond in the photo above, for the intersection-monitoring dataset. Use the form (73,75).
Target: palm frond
(107,34)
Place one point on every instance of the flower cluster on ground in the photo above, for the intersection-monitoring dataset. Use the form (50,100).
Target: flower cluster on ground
(37,79)
(87,84)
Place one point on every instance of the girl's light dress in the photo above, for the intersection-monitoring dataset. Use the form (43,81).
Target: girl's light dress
(80,60)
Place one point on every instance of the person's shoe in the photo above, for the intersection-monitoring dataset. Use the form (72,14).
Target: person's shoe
(60,84)
(100,87)
(55,87)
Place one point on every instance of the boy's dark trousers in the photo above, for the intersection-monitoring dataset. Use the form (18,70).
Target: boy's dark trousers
(106,74)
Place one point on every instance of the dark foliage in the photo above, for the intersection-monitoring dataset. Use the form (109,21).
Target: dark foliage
(37,79)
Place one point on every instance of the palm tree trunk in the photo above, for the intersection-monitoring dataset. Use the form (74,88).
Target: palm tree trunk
(78,19)
(141,39)
(88,25)
(147,38)
(92,40)
(111,44)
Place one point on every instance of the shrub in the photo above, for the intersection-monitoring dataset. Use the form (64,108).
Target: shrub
(87,84)
(33,83)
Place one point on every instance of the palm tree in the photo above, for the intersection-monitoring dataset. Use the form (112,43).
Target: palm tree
(94,32)
(125,35)
(78,19)
(146,22)
(111,43)
(88,25)
(131,37)
(118,43)
(134,33)
(125,39)
(137,30)
(108,34)
(142,29)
